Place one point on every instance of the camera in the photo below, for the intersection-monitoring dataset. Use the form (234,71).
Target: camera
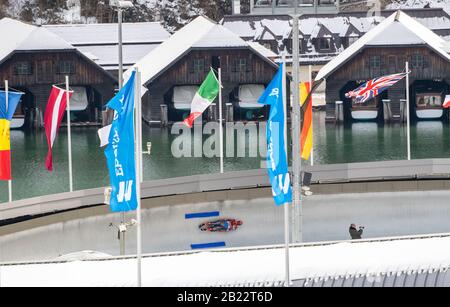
(361,227)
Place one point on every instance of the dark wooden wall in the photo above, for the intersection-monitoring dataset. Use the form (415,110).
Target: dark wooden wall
(44,73)
(393,60)
(259,71)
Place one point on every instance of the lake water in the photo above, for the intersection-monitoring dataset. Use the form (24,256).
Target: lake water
(359,142)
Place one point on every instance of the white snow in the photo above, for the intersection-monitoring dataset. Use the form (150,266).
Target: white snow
(218,36)
(241,28)
(99,41)
(17,35)
(13,34)
(237,267)
(42,39)
(398,35)
(263,50)
(96,34)
(107,55)
(83,255)
(406,31)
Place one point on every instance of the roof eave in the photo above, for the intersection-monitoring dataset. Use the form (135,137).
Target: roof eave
(383,46)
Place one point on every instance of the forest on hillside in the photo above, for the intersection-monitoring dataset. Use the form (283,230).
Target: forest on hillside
(172,13)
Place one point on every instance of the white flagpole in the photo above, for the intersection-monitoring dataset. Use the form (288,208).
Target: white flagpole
(220,121)
(286,205)
(141,163)
(312,119)
(408,117)
(7,104)
(296,131)
(69,135)
(138,145)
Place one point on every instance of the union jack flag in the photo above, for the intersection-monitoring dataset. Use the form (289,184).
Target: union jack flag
(374,87)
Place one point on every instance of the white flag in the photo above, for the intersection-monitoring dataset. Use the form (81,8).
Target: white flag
(103,134)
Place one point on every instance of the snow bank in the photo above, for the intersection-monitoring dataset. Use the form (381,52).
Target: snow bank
(233,267)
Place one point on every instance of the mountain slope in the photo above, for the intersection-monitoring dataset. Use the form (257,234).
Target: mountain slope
(172,13)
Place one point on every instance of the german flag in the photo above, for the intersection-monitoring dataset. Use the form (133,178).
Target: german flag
(7,109)
(307,129)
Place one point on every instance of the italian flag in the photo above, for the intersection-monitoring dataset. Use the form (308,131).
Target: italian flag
(205,95)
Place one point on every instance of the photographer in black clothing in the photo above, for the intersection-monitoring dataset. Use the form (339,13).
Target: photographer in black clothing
(356,234)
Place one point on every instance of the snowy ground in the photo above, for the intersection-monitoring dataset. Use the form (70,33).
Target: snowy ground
(244,267)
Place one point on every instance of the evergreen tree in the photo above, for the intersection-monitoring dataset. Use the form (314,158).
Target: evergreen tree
(26,14)
(4,4)
(172,13)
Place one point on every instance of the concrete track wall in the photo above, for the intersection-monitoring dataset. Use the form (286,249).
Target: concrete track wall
(385,173)
(326,217)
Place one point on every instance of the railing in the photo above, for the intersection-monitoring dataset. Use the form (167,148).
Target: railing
(290,3)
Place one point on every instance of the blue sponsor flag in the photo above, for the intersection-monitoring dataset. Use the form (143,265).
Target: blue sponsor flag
(120,150)
(276,153)
(13,101)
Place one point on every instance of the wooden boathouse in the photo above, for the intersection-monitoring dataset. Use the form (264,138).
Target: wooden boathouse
(382,51)
(32,59)
(174,70)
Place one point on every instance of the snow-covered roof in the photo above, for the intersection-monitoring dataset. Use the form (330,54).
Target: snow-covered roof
(200,33)
(42,39)
(397,29)
(17,32)
(98,34)
(243,266)
(263,50)
(343,24)
(99,41)
(19,36)
(107,56)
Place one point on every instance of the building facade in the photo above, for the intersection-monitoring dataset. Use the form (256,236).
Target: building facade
(33,60)
(288,6)
(385,50)
(173,72)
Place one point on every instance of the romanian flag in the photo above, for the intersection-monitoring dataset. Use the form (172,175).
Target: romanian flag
(307,129)
(8,106)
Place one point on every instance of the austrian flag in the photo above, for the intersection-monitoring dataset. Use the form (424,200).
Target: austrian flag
(54,113)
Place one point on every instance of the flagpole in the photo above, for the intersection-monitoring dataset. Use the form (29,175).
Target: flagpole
(296,120)
(408,117)
(69,135)
(311,159)
(286,205)
(220,120)
(7,102)
(141,165)
(138,145)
